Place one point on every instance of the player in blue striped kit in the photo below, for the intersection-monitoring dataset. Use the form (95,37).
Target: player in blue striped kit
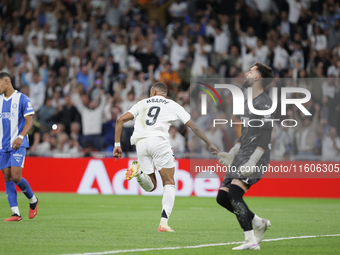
(16,119)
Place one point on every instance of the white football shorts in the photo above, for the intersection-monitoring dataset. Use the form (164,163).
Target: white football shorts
(154,152)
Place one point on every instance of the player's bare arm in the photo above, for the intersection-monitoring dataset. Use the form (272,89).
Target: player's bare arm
(117,151)
(29,124)
(197,131)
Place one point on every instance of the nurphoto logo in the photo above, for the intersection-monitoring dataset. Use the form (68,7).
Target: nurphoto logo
(238,104)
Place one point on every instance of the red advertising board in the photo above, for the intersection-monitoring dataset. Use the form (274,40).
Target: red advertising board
(107,176)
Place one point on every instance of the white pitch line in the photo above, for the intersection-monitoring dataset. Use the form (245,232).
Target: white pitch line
(196,246)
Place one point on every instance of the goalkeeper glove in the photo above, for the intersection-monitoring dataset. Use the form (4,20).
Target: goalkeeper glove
(248,168)
(227,158)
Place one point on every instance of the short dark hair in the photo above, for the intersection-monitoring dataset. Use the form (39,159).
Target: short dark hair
(4,75)
(161,87)
(266,73)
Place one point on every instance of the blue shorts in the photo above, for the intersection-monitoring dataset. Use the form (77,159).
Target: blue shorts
(12,158)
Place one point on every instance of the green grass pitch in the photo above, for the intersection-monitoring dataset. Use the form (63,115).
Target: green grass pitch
(70,223)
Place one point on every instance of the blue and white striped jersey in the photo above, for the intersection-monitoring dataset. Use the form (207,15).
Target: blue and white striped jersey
(12,119)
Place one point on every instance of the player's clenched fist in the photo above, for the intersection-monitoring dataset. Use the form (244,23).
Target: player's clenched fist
(212,148)
(117,151)
(16,144)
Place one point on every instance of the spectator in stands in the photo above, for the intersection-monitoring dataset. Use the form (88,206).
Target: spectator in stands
(247,39)
(51,51)
(114,15)
(170,78)
(221,46)
(331,146)
(184,74)
(211,72)
(334,69)
(297,55)
(67,114)
(156,10)
(83,77)
(48,146)
(37,91)
(177,10)
(333,33)
(75,132)
(202,50)
(261,52)
(128,127)
(306,134)
(148,58)
(233,59)
(119,52)
(318,39)
(62,141)
(281,58)
(16,37)
(249,59)
(45,115)
(328,87)
(34,136)
(72,148)
(283,24)
(295,7)
(91,118)
(34,51)
(44,146)
(179,49)
(282,143)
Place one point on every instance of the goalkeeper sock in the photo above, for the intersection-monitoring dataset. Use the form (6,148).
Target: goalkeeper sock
(257,221)
(243,214)
(223,200)
(167,202)
(145,182)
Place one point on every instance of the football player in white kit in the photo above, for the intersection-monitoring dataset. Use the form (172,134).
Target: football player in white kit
(153,117)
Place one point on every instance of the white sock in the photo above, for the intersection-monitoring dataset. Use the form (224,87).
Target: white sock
(145,182)
(15,210)
(167,202)
(33,199)
(257,221)
(249,235)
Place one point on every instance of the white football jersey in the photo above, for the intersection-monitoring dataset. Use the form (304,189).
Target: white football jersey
(153,117)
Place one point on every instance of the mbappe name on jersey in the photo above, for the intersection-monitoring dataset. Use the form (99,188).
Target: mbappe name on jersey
(157,100)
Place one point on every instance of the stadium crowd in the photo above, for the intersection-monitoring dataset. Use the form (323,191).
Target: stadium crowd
(83,63)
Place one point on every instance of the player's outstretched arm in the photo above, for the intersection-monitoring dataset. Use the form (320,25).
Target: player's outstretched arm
(117,151)
(198,132)
(29,124)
